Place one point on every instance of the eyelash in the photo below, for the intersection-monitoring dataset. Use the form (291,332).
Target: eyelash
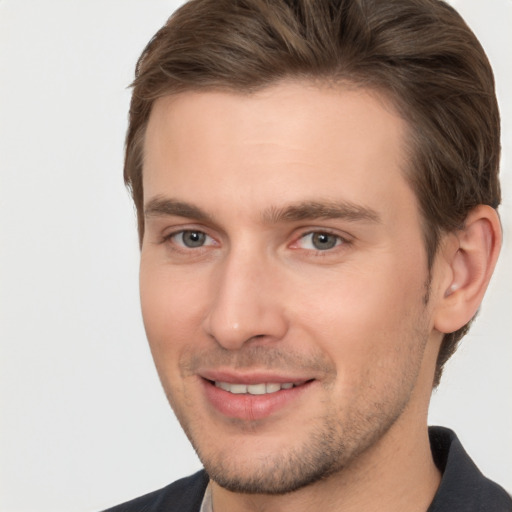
(339,241)
(181,246)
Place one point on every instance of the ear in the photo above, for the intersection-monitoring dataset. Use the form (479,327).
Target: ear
(468,259)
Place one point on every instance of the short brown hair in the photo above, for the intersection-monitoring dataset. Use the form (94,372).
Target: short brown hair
(420,53)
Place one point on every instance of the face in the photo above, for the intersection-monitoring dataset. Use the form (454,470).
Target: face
(283,278)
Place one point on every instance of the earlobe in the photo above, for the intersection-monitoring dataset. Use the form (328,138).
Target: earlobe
(471,262)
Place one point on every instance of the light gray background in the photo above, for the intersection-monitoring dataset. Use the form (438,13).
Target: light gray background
(83,421)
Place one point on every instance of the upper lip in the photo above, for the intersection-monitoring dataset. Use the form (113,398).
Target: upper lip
(253,377)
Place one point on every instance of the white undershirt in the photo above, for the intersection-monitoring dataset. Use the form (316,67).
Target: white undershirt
(206,505)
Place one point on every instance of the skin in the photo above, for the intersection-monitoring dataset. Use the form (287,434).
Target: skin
(283,241)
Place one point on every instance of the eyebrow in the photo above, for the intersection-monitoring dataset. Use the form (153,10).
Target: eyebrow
(304,210)
(311,210)
(160,207)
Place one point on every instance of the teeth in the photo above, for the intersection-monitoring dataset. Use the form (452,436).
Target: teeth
(238,389)
(257,389)
(272,388)
(253,389)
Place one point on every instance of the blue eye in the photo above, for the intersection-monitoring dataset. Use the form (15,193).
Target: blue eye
(320,241)
(191,239)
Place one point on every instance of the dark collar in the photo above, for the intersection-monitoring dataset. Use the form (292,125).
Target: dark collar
(463,487)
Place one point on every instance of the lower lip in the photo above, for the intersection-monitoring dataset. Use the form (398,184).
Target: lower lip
(251,407)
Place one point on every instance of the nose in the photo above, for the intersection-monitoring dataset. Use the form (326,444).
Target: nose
(246,303)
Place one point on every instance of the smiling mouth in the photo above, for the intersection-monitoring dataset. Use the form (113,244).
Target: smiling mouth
(253,398)
(263,388)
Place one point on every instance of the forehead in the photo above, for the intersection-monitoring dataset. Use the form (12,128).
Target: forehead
(287,106)
(283,143)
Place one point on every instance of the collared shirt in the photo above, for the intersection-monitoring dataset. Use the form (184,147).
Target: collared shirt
(206,505)
(463,487)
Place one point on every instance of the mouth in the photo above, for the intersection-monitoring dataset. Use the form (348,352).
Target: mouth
(254,399)
(263,388)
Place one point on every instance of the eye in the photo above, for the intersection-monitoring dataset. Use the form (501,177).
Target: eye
(319,241)
(191,239)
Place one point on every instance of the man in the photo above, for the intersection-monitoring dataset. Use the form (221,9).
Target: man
(316,184)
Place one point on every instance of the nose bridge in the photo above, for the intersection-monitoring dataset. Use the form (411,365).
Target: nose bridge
(245,301)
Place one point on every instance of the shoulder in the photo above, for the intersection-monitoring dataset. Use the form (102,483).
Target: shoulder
(184,495)
(463,487)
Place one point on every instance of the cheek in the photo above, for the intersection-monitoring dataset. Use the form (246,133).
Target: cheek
(171,310)
(366,320)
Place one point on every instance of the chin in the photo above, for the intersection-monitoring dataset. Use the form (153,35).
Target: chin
(270,481)
(275,472)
